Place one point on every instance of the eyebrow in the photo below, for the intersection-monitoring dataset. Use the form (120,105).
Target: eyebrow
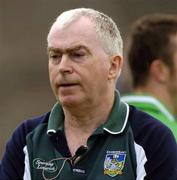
(74,48)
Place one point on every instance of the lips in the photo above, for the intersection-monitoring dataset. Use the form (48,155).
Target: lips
(67,84)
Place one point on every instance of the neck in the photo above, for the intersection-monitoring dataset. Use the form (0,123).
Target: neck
(158,92)
(81,121)
(88,116)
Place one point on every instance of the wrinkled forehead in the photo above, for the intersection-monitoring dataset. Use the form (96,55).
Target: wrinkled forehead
(81,32)
(80,29)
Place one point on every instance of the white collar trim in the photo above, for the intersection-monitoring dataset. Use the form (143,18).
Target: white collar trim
(149,99)
(125,122)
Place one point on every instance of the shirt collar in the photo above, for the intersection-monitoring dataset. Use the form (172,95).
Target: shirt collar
(118,117)
(150,101)
(56,119)
(115,125)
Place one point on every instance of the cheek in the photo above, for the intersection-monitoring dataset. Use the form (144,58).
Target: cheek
(104,72)
(52,74)
(100,76)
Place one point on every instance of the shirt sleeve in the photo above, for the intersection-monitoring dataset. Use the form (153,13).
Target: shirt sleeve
(161,155)
(12,164)
(158,143)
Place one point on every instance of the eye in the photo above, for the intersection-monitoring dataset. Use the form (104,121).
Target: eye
(77,54)
(55,57)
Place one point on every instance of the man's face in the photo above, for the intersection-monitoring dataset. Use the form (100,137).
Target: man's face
(78,65)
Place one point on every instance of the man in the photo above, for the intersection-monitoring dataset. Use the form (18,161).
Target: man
(152,59)
(89,133)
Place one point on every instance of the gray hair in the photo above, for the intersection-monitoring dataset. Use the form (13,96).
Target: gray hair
(105,27)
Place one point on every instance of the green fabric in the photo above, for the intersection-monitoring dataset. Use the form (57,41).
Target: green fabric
(153,107)
(56,118)
(110,138)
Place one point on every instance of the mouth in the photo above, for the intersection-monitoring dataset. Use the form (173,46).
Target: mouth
(67,85)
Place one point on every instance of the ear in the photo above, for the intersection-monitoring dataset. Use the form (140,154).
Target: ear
(159,71)
(116,63)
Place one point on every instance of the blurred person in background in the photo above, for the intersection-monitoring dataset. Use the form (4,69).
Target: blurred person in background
(152,58)
(89,134)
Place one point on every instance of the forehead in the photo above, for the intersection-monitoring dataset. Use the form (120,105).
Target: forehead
(79,32)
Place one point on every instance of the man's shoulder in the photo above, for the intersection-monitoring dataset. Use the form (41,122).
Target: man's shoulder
(148,131)
(142,122)
(153,107)
(30,124)
(157,142)
(22,130)
(14,155)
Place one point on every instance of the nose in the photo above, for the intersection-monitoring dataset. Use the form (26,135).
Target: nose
(65,65)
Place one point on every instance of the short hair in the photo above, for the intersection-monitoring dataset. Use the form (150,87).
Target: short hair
(151,38)
(106,29)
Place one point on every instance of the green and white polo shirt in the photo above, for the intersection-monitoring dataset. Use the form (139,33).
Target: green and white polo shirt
(131,145)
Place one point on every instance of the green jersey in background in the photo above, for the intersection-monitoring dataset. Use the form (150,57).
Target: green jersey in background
(154,107)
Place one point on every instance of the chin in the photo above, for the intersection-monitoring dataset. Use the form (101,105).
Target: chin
(69,101)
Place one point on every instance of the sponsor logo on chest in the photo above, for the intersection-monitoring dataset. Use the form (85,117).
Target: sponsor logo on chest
(114,163)
(41,164)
